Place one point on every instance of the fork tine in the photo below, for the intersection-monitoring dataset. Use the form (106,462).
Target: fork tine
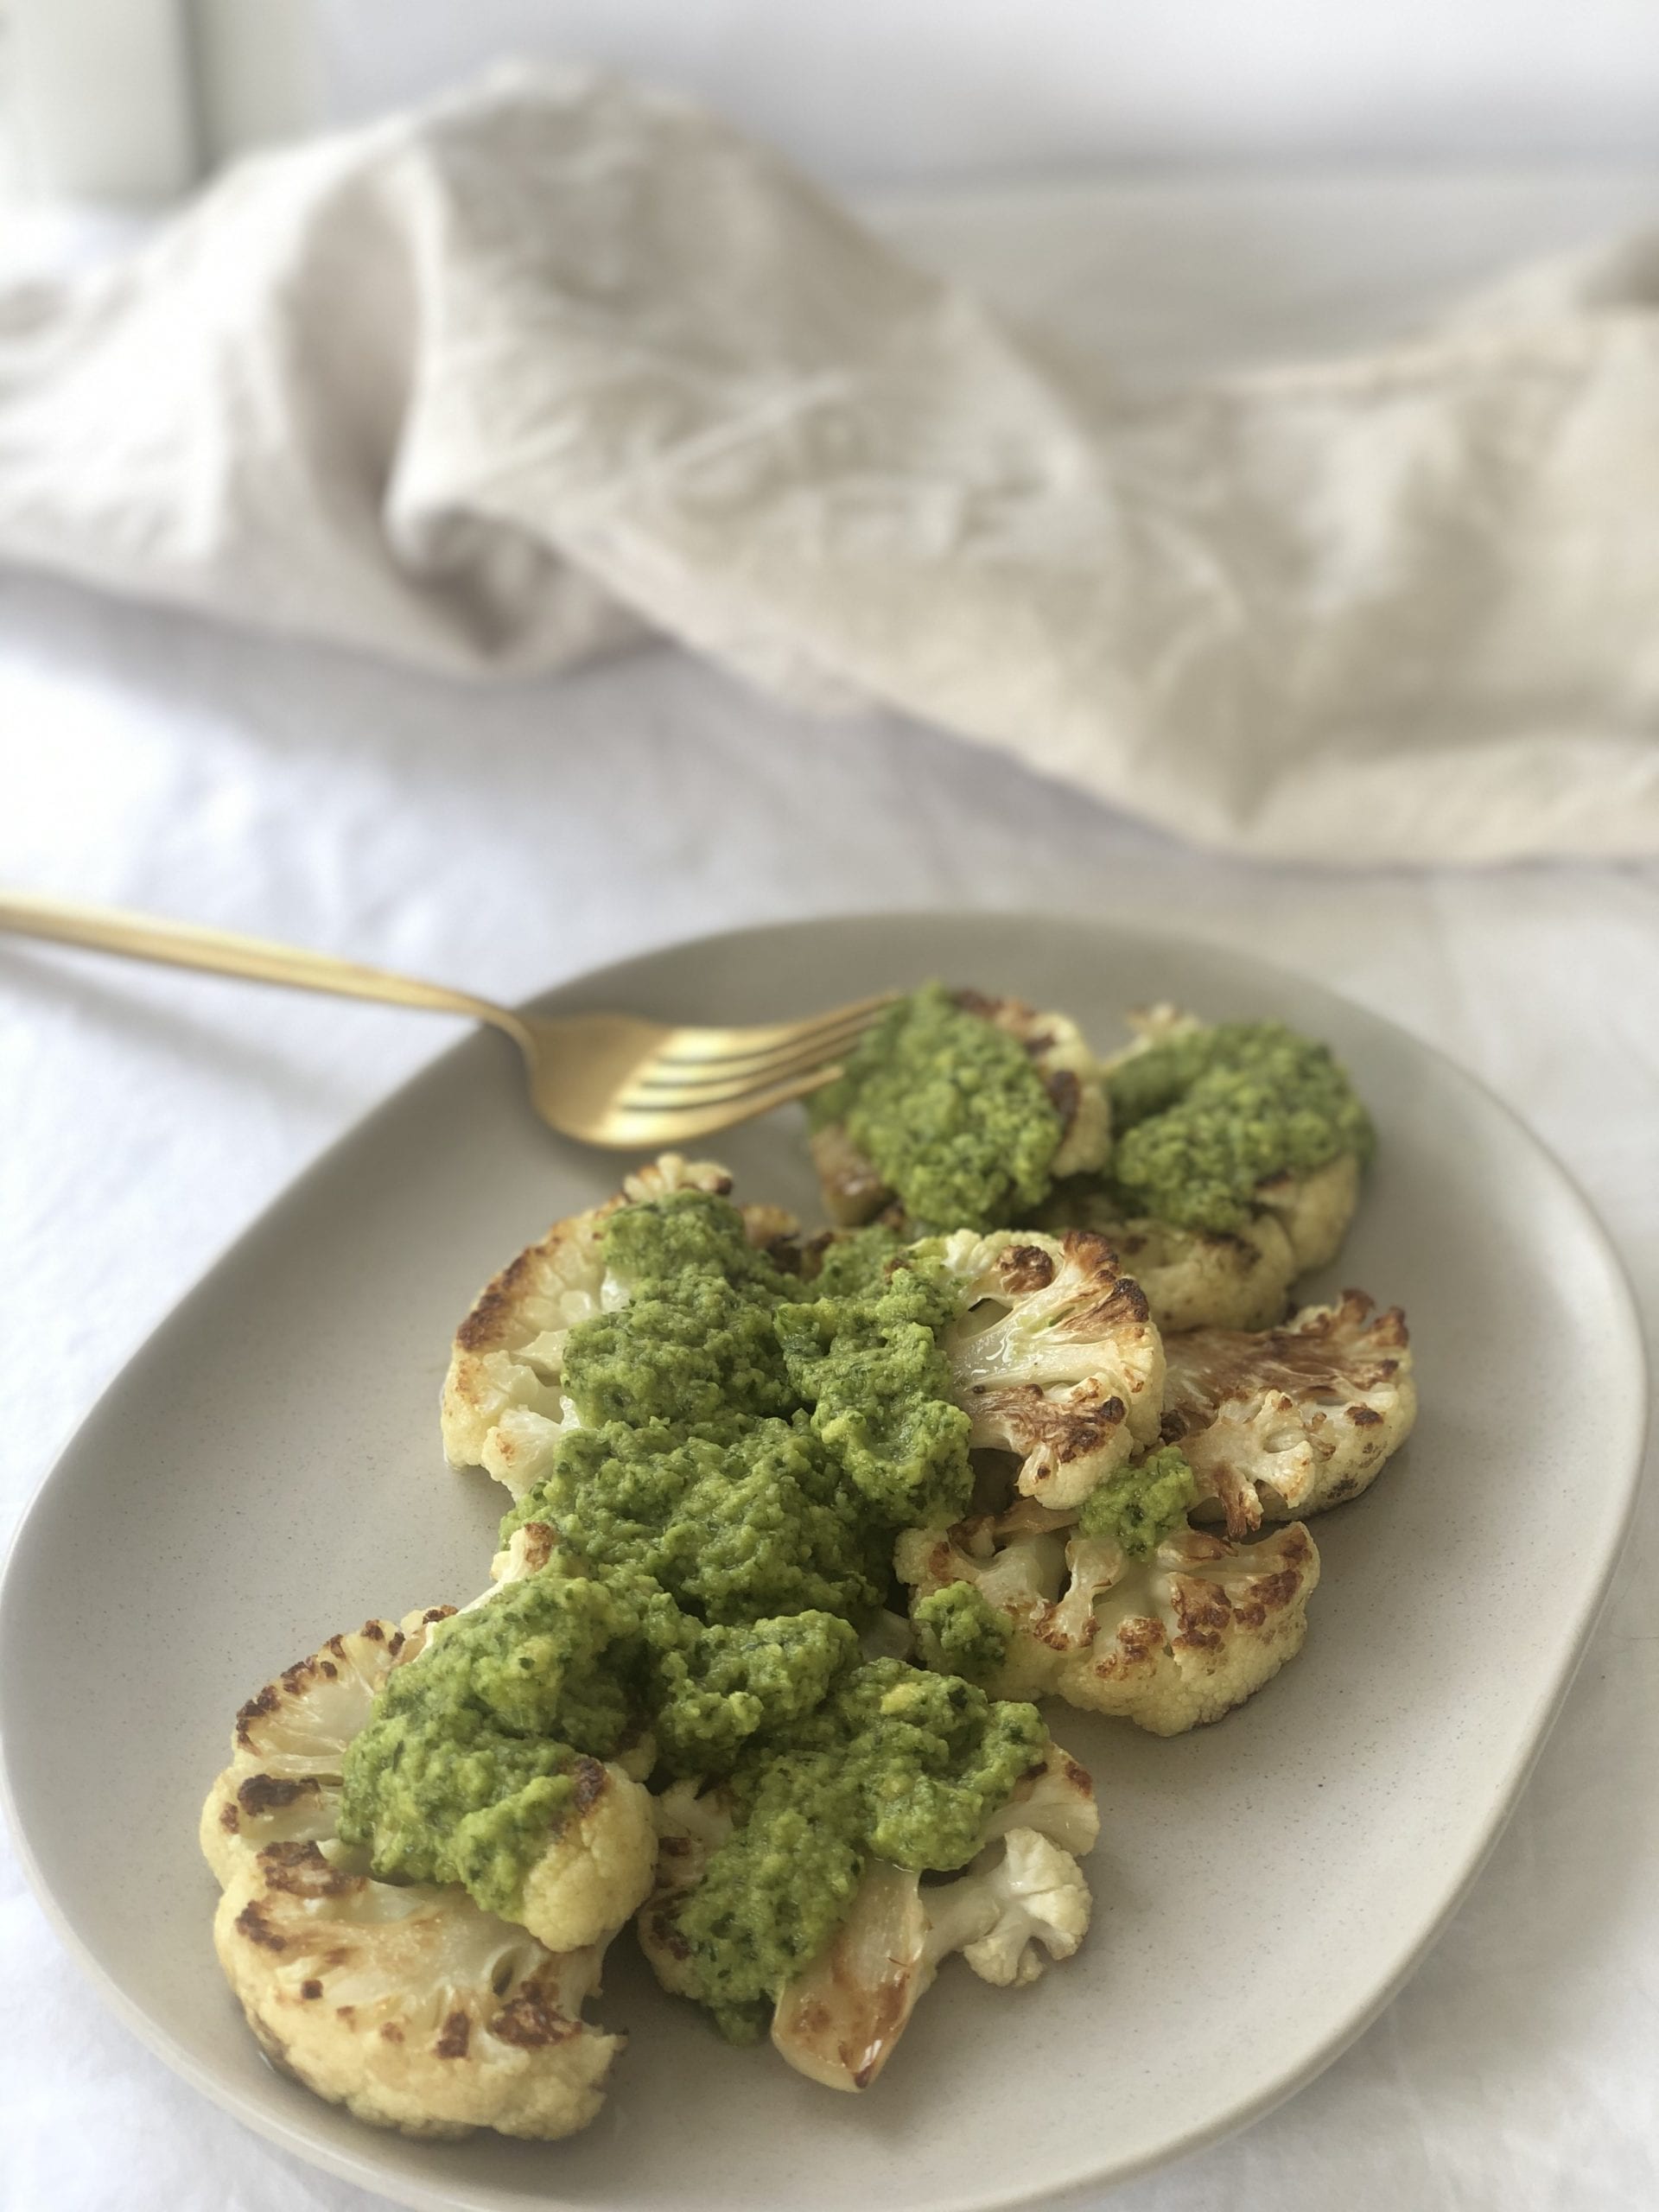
(704,1047)
(820,1038)
(688,1098)
(666,1087)
(625,1126)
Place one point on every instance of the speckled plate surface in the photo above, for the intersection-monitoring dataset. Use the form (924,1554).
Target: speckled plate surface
(267,1472)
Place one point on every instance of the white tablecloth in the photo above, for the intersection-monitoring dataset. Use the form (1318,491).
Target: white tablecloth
(508,837)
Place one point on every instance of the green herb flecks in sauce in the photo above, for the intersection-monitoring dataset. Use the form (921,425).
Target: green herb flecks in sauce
(855,1263)
(716,1692)
(737,1518)
(694,1340)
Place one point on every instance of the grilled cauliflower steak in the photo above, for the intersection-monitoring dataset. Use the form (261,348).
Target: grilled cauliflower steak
(856,1186)
(1053,1356)
(503,1408)
(1022,1900)
(1170,1642)
(1291,1421)
(406,2002)
(1235,1167)
(693,1820)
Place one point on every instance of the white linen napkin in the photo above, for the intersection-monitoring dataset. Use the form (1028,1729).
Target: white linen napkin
(501,383)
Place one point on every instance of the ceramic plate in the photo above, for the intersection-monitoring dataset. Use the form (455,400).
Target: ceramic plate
(267,1472)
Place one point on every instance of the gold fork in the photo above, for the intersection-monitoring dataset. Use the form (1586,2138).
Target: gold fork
(607,1078)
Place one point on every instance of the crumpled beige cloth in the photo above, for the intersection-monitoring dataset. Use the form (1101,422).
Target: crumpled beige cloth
(493,386)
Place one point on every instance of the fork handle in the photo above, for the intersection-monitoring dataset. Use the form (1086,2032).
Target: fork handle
(188,944)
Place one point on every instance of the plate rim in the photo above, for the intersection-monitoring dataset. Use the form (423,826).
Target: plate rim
(362,2170)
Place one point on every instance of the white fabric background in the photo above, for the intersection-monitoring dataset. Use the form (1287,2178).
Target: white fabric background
(937,89)
(509,837)
(487,386)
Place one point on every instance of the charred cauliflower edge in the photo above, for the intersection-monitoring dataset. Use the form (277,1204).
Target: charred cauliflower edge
(1053,1356)
(1282,1421)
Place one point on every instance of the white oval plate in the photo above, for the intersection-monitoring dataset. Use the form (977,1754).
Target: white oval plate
(267,1472)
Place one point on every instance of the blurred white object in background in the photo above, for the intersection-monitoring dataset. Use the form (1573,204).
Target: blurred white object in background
(101,98)
(864,92)
(121,96)
(258,72)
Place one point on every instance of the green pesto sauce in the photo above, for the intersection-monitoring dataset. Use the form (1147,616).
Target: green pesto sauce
(897,1764)
(869,1365)
(694,1340)
(724,1519)
(950,1110)
(1138,1507)
(737,1518)
(855,1264)
(717,1693)
(462,1773)
(755,1439)
(960,1634)
(1203,1120)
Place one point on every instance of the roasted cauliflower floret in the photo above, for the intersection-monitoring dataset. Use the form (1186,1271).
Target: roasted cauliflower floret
(1029,1903)
(693,1820)
(1193,1278)
(591,1878)
(405,2002)
(1313,1208)
(1161,1023)
(1290,1421)
(504,1407)
(1169,1641)
(1054,1356)
(899,1769)
(942,1128)
(1022,1900)
(407,2005)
